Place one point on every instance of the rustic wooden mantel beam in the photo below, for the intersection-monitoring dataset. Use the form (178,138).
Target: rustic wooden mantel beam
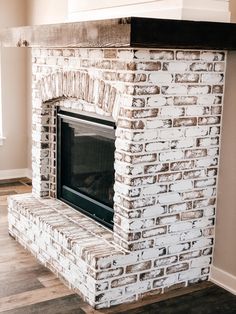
(125,32)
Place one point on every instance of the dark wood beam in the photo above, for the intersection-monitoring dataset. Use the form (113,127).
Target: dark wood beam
(125,32)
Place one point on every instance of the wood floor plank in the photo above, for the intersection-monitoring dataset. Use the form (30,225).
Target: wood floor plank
(19,286)
(32,297)
(64,305)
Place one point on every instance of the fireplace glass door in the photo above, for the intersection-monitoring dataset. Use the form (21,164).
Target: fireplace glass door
(86,147)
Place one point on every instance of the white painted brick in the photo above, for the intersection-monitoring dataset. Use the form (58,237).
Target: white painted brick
(179,208)
(154,189)
(212,78)
(152,124)
(209,56)
(208,212)
(158,101)
(173,155)
(201,261)
(171,111)
(206,100)
(171,134)
(202,223)
(196,131)
(153,211)
(182,185)
(150,253)
(157,146)
(190,274)
(177,67)
(189,235)
(142,54)
(201,243)
(184,143)
(180,226)
(206,162)
(200,90)
(167,198)
(168,239)
(160,77)
(176,90)
(177,248)
(194,111)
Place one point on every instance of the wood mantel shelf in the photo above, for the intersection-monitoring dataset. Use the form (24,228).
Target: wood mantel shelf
(125,32)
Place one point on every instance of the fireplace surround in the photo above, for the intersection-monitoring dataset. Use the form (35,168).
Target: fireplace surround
(166,101)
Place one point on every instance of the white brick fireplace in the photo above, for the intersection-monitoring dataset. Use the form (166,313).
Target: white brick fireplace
(167,106)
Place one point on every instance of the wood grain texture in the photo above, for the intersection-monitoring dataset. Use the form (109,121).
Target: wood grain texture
(125,32)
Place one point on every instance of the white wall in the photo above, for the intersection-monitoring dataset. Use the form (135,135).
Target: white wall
(208,10)
(13,152)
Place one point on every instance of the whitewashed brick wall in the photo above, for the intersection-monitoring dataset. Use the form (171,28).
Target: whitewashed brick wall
(167,105)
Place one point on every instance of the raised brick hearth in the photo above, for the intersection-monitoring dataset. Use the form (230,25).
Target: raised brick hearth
(167,105)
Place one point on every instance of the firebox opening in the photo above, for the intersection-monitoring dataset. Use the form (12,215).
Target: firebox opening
(85,164)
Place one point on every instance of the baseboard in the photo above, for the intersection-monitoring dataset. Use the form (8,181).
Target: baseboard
(223,279)
(15,173)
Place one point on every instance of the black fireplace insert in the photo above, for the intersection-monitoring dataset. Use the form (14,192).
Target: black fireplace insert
(85,164)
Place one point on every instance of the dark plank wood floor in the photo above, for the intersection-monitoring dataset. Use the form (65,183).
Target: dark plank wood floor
(27,287)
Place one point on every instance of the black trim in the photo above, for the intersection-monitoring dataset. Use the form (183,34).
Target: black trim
(94,209)
(81,202)
(87,118)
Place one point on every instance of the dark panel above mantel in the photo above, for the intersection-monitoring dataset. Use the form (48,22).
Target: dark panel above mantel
(125,32)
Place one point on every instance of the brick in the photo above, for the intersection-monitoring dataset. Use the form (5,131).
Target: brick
(165,261)
(154,232)
(180,226)
(203,183)
(201,67)
(156,168)
(197,111)
(154,211)
(171,156)
(184,122)
(174,90)
(177,268)
(161,55)
(180,207)
(154,189)
(177,248)
(160,123)
(212,56)
(160,78)
(187,78)
(169,177)
(138,267)
(218,89)
(123,281)
(148,66)
(212,78)
(188,55)
(171,112)
(152,274)
(192,215)
(209,120)
(185,100)
(167,198)
(181,165)
(219,66)
(175,66)
(190,255)
(183,185)
(157,146)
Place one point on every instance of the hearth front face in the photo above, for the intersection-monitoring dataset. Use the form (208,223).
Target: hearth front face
(85,164)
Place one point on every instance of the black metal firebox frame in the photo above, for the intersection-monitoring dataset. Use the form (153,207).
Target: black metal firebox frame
(81,202)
